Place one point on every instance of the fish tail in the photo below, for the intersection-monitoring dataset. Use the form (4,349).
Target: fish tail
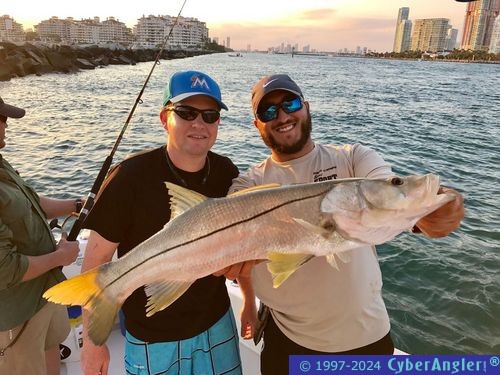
(84,290)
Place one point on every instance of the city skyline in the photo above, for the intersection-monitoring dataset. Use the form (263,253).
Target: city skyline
(326,25)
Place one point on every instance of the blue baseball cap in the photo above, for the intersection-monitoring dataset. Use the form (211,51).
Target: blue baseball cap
(189,83)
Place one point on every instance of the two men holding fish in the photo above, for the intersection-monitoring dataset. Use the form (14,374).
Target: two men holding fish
(323,307)
(322,280)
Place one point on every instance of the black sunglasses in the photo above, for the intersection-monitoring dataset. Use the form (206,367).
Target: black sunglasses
(3,118)
(269,113)
(188,113)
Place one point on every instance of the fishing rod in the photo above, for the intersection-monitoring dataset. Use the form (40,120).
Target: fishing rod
(89,203)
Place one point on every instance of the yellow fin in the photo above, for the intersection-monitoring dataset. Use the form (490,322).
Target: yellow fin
(84,290)
(281,266)
(182,199)
(163,294)
(254,188)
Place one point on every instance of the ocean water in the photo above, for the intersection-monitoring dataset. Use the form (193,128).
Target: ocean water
(443,295)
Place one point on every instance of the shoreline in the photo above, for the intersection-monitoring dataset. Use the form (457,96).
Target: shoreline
(27,59)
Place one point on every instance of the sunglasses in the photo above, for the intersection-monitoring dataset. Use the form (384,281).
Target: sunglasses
(188,113)
(271,112)
(3,118)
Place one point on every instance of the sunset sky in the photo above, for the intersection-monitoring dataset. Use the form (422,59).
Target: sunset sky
(326,25)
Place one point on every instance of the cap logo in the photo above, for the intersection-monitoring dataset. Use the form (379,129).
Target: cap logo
(268,83)
(197,81)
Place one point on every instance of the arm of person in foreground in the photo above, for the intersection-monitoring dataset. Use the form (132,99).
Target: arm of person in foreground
(445,219)
(95,359)
(57,207)
(248,313)
(66,252)
(16,267)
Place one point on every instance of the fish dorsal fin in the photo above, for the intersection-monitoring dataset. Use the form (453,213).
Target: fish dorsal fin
(163,294)
(182,199)
(254,188)
(282,266)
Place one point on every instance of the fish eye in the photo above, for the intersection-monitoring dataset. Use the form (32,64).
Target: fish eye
(397,181)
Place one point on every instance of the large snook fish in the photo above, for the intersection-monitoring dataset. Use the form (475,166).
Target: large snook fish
(286,225)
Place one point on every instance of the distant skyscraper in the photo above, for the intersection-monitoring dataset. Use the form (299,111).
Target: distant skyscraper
(478,25)
(429,35)
(228,42)
(495,37)
(451,39)
(403,31)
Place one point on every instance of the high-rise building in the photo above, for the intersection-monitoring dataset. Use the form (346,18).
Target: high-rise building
(429,35)
(478,25)
(403,31)
(228,42)
(451,38)
(495,37)
(10,30)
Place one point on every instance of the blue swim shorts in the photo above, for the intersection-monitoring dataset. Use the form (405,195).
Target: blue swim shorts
(213,352)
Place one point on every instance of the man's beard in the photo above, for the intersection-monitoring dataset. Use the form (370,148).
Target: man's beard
(270,141)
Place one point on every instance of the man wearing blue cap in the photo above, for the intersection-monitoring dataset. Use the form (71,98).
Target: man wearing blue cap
(31,328)
(196,334)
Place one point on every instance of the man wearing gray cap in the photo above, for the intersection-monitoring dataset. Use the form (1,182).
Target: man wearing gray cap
(197,333)
(31,328)
(319,309)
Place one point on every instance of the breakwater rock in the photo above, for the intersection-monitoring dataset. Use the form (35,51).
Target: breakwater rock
(22,60)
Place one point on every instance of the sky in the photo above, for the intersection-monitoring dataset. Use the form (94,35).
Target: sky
(325,25)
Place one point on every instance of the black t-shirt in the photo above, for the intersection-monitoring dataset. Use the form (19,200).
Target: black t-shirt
(132,205)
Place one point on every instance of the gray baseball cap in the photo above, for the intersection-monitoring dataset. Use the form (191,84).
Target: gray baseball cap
(273,83)
(8,110)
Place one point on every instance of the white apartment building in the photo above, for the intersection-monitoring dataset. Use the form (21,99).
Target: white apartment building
(55,30)
(429,35)
(151,31)
(113,30)
(86,31)
(10,30)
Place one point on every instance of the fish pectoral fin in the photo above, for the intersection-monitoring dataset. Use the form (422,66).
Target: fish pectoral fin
(182,199)
(281,266)
(324,232)
(254,188)
(331,260)
(344,256)
(162,294)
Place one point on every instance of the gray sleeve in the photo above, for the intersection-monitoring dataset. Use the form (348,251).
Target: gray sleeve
(368,163)
(241,182)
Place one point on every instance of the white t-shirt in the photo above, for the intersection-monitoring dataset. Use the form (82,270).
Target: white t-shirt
(319,307)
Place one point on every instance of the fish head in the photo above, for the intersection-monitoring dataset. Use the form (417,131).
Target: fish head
(374,211)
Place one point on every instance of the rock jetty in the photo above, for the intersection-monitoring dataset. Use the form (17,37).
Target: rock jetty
(22,60)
